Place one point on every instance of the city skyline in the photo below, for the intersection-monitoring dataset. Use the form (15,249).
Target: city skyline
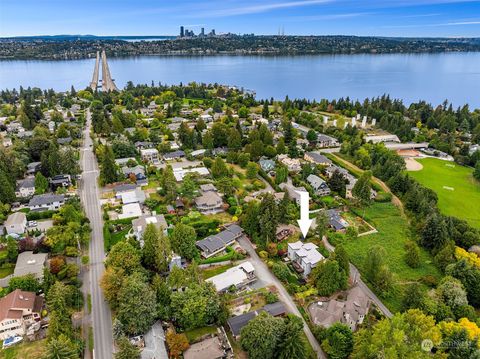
(429,18)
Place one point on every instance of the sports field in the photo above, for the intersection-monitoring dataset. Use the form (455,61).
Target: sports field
(458,192)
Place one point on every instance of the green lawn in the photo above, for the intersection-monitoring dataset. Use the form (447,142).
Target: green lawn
(216,270)
(197,333)
(6,269)
(31,350)
(392,234)
(461,198)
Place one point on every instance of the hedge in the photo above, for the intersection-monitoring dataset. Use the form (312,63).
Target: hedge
(33,216)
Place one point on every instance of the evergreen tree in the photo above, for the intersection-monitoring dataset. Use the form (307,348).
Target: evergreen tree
(341,256)
(183,239)
(337,183)
(265,110)
(108,171)
(268,220)
(41,183)
(60,347)
(126,350)
(292,345)
(362,188)
(7,192)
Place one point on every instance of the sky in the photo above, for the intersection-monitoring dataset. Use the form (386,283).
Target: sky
(429,18)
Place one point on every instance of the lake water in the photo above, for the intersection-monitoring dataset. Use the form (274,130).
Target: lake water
(431,77)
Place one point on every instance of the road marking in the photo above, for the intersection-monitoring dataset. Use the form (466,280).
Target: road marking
(92,171)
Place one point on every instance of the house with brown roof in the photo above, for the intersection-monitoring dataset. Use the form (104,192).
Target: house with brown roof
(19,310)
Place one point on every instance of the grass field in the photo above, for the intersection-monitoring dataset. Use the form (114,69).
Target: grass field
(458,192)
(31,350)
(392,234)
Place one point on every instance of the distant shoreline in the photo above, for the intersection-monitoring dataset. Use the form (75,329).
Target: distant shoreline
(68,48)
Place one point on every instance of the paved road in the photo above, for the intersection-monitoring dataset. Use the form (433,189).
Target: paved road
(101,315)
(264,274)
(355,276)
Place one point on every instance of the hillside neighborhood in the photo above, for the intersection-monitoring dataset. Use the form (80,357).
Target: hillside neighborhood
(172,216)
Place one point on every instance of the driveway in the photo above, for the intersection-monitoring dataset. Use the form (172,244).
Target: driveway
(263,274)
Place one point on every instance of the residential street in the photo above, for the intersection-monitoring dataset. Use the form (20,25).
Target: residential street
(89,194)
(266,276)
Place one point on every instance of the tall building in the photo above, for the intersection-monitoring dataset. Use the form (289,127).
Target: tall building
(202,32)
(182,31)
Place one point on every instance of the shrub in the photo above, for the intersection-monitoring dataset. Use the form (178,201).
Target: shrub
(281,271)
(271,298)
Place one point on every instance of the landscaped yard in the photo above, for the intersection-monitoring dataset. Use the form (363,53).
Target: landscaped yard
(392,234)
(215,270)
(31,350)
(197,333)
(458,192)
(6,269)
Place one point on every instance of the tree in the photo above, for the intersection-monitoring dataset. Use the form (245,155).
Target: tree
(470,278)
(111,283)
(376,271)
(452,293)
(413,297)
(169,183)
(250,220)
(60,348)
(292,345)
(252,170)
(156,249)
(12,249)
(265,110)
(188,189)
(41,183)
(108,170)
(124,255)
(26,282)
(337,183)
(322,222)
(311,136)
(126,350)
(434,233)
(338,343)
(412,254)
(398,337)
(341,256)
(183,240)
(329,278)
(177,343)
(136,304)
(50,160)
(219,168)
(362,188)
(7,192)
(261,337)
(268,219)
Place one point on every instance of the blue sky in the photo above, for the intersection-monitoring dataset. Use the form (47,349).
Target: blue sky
(308,17)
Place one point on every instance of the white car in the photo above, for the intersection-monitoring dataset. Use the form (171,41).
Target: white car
(32,224)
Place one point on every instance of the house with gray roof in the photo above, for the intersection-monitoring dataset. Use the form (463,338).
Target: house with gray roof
(217,243)
(319,186)
(317,158)
(236,324)
(139,224)
(266,164)
(16,223)
(30,263)
(46,202)
(209,202)
(25,188)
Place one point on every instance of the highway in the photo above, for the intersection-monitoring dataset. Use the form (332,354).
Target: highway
(90,197)
(94,83)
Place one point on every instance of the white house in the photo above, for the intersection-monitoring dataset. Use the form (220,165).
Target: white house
(25,188)
(134,196)
(150,155)
(235,277)
(16,223)
(304,256)
(130,210)
(44,202)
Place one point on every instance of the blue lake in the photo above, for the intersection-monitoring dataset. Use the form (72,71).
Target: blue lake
(431,77)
